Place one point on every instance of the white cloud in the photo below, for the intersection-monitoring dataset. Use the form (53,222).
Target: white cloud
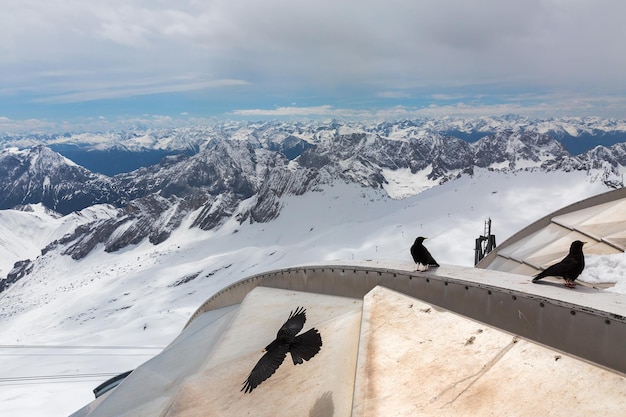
(89,93)
(288,111)
(73,50)
(539,107)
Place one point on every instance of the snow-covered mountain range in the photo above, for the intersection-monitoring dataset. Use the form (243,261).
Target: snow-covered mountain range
(123,260)
(70,324)
(246,171)
(111,153)
(578,133)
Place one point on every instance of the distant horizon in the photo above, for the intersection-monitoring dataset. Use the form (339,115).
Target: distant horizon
(117,151)
(145,122)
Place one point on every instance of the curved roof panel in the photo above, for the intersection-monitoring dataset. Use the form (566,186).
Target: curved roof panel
(600,221)
(445,342)
(384,355)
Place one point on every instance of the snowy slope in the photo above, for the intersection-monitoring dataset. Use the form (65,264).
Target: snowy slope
(109,312)
(24,232)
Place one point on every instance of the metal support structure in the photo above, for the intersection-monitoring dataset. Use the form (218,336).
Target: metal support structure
(484,244)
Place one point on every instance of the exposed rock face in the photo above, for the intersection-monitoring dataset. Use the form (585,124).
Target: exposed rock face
(20,269)
(39,175)
(245,173)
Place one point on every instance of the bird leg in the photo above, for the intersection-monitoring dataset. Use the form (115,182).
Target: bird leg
(570,284)
(421,267)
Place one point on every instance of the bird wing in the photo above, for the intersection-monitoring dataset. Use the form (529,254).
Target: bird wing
(429,258)
(294,323)
(564,268)
(305,346)
(414,253)
(421,255)
(265,367)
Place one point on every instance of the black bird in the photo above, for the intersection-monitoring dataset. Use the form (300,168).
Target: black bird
(569,268)
(421,256)
(302,348)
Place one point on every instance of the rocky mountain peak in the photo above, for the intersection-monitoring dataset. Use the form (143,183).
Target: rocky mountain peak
(234,176)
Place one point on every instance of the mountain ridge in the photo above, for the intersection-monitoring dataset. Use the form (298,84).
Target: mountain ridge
(245,177)
(577,133)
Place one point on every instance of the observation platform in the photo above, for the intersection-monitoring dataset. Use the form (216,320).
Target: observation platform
(450,341)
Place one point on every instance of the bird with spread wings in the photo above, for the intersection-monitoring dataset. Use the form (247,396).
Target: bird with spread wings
(302,348)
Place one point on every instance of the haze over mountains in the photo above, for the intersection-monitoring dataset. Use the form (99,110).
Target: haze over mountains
(114,152)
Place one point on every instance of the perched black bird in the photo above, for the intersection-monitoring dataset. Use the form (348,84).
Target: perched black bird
(421,256)
(302,348)
(569,268)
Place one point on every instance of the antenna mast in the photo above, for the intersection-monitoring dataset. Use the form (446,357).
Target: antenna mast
(485,243)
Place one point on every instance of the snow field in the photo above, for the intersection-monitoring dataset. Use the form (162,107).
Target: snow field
(141,297)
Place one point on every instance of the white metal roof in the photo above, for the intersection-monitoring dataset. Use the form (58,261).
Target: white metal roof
(600,221)
(386,354)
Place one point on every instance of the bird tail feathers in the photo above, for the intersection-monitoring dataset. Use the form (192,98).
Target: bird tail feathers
(306,346)
(539,276)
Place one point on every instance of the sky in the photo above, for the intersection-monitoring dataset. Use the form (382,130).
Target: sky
(67,63)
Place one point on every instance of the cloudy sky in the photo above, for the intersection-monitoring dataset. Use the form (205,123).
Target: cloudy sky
(71,61)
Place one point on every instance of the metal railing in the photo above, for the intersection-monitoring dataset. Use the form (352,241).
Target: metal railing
(591,334)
